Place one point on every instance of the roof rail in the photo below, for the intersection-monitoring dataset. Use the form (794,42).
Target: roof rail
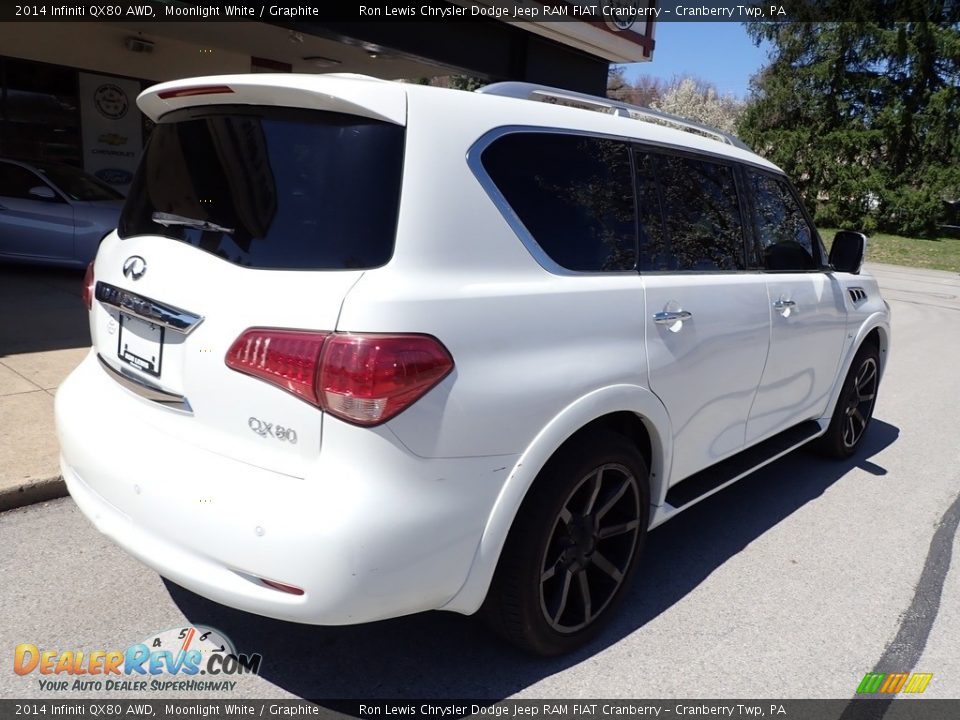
(558,96)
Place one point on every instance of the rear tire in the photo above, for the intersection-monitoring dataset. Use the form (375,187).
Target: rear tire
(573,546)
(854,410)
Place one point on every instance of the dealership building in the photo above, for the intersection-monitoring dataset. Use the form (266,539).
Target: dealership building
(68,89)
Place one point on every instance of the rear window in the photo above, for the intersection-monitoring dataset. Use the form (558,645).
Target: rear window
(271,188)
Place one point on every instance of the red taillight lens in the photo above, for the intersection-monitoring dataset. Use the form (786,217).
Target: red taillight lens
(364,379)
(288,358)
(367,379)
(87,293)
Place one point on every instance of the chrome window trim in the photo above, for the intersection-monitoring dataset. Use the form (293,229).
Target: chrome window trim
(144,389)
(181,321)
(513,220)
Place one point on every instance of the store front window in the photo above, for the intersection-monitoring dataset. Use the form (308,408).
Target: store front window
(39,112)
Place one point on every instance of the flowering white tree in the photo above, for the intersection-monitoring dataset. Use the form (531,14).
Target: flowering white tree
(700,102)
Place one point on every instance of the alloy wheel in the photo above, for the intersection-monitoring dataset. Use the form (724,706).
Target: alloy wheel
(860,402)
(590,548)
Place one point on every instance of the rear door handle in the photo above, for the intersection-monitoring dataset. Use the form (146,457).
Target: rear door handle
(669,318)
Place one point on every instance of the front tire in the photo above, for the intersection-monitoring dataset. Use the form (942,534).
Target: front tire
(854,410)
(573,547)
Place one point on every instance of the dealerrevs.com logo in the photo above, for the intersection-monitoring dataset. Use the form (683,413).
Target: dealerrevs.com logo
(179,659)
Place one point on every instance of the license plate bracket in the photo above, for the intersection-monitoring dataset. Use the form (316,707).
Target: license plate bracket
(140,343)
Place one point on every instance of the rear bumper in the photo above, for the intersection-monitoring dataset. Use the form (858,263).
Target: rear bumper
(371,532)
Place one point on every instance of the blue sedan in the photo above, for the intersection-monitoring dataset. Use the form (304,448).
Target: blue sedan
(53,214)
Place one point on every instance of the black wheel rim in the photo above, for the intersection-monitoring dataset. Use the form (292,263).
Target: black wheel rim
(590,548)
(860,402)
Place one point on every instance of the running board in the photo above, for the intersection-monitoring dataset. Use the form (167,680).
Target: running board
(713,479)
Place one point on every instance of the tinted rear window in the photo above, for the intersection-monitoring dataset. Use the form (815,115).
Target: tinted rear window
(264,188)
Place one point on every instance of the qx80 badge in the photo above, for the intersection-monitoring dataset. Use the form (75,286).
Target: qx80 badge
(265,429)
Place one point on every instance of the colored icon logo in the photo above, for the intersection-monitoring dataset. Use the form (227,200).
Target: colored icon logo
(893,683)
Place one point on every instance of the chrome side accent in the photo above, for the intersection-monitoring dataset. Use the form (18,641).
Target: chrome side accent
(178,320)
(146,390)
(669,318)
(857,294)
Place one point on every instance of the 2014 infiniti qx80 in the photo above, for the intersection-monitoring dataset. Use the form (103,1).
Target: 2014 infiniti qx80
(363,349)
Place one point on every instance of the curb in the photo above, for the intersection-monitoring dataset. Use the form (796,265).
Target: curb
(32,491)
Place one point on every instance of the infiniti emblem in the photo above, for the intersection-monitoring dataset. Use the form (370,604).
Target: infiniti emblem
(134,267)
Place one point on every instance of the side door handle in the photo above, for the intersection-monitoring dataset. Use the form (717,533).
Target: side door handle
(784,307)
(669,318)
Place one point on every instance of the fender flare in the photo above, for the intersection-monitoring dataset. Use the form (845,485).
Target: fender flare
(614,398)
(877,321)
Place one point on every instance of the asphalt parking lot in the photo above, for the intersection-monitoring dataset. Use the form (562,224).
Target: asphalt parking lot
(792,583)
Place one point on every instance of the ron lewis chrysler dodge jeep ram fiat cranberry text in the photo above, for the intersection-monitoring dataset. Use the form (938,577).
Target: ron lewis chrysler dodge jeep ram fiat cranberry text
(363,349)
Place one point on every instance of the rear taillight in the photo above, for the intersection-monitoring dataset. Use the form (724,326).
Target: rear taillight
(87,293)
(363,379)
(288,358)
(368,379)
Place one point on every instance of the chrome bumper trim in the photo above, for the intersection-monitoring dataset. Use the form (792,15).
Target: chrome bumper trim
(146,390)
(181,321)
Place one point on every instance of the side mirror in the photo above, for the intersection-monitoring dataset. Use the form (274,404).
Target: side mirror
(846,254)
(42,192)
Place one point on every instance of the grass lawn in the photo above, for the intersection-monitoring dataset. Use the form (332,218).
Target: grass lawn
(939,254)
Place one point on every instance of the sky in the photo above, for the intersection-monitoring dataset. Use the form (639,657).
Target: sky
(719,52)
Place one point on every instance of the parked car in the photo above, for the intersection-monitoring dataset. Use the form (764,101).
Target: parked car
(53,214)
(364,349)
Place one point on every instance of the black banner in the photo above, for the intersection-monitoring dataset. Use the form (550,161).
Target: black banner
(612,13)
(858,709)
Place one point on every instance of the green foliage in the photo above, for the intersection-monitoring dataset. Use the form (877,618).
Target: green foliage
(863,115)
(466,82)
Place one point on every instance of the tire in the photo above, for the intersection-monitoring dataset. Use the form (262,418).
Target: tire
(854,410)
(573,546)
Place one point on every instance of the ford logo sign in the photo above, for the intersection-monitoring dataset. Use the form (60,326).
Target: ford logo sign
(114,176)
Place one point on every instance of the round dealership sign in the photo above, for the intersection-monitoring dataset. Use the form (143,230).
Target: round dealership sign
(621,15)
(111,101)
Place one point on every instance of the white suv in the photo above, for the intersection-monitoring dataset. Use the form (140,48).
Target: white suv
(363,349)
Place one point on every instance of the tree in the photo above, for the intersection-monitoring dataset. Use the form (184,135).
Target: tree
(618,88)
(699,101)
(864,116)
(644,90)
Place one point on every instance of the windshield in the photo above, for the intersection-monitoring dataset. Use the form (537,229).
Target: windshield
(271,187)
(77,185)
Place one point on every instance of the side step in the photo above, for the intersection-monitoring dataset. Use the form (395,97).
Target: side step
(716,477)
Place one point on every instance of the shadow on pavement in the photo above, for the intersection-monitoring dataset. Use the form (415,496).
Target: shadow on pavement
(442,655)
(41,309)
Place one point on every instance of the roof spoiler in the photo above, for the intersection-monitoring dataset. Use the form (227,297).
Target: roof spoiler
(340,92)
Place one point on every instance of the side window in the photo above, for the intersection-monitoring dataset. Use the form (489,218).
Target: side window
(655,252)
(573,194)
(785,237)
(702,216)
(16,181)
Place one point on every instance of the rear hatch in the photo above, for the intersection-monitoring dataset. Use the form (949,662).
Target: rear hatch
(258,202)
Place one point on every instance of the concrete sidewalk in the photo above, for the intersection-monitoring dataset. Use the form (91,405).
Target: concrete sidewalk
(43,336)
